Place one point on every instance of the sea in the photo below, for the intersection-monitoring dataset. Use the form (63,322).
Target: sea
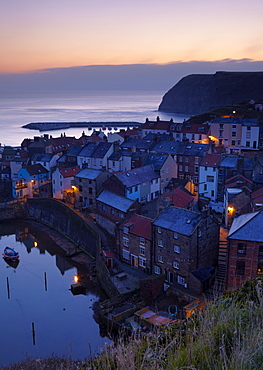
(20,108)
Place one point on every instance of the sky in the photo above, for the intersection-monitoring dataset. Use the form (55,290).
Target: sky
(65,34)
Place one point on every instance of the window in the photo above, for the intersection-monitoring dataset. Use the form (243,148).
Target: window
(247,144)
(177,249)
(241,249)
(212,193)
(260,251)
(113,164)
(220,133)
(205,168)
(104,208)
(186,168)
(180,168)
(175,235)
(221,125)
(157,270)
(120,215)
(159,230)
(98,204)
(142,251)
(126,254)
(80,187)
(160,243)
(248,135)
(142,262)
(126,230)
(210,178)
(180,279)
(160,258)
(186,159)
(196,169)
(240,268)
(196,160)
(234,126)
(233,142)
(112,211)
(126,241)
(176,265)
(199,233)
(90,191)
(180,159)
(142,240)
(234,134)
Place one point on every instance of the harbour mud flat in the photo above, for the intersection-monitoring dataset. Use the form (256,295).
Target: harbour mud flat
(46,126)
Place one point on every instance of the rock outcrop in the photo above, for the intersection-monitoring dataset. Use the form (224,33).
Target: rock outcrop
(199,93)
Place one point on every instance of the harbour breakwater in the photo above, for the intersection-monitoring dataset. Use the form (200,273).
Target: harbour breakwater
(46,126)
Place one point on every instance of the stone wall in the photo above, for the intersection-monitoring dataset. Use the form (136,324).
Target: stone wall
(65,220)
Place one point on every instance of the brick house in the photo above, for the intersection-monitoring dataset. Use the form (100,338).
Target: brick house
(185,242)
(112,210)
(245,249)
(135,242)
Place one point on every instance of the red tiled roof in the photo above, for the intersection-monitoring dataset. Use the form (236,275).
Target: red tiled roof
(68,172)
(196,128)
(179,198)
(141,226)
(257,193)
(211,160)
(108,254)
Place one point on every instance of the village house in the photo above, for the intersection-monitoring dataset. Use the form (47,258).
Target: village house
(135,242)
(63,183)
(196,132)
(137,145)
(112,210)
(208,176)
(189,157)
(28,180)
(185,248)
(235,133)
(164,165)
(95,155)
(245,249)
(236,202)
(47,160)
(141,184)
(119,160)
(87,184)
(178,197)
(156,127)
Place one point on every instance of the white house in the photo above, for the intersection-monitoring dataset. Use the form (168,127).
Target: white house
(63,181)
(208,176)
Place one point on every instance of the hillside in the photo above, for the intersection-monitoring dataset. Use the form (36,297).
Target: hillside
(199,93)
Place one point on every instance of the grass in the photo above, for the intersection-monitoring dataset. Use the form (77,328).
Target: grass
(227,334)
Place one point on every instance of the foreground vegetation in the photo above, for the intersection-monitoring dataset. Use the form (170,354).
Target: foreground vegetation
(227,334)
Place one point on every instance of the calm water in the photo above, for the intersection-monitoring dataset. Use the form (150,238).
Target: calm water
(64,323)
(19,109)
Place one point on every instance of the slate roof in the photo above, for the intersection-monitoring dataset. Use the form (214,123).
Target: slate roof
(42,157)
(88,173)
(167,147)
(178,220)
(74,151)
(137,143)
(157,160)
(35,169)
(101,149)
(229,161)
(202,274)
(137,176)
(115,201)
(140,226)
(247,227)
(194,149)
(87,150)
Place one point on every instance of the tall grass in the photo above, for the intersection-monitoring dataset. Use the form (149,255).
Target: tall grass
(227,334)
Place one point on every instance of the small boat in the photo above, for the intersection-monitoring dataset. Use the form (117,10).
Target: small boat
(10,254)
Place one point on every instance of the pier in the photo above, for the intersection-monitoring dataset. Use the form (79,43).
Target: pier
(46,126)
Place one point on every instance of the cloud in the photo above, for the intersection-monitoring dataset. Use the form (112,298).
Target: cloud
(159,77)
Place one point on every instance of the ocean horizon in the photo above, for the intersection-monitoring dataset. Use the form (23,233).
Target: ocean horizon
(18,109)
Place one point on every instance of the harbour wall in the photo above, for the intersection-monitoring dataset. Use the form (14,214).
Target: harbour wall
(65,220)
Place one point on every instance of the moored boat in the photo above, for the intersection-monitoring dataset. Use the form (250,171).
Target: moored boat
(10,254)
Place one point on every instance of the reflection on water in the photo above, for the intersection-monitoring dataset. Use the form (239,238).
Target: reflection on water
(36,293)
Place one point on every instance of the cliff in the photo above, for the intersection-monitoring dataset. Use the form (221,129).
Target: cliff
(195,94)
